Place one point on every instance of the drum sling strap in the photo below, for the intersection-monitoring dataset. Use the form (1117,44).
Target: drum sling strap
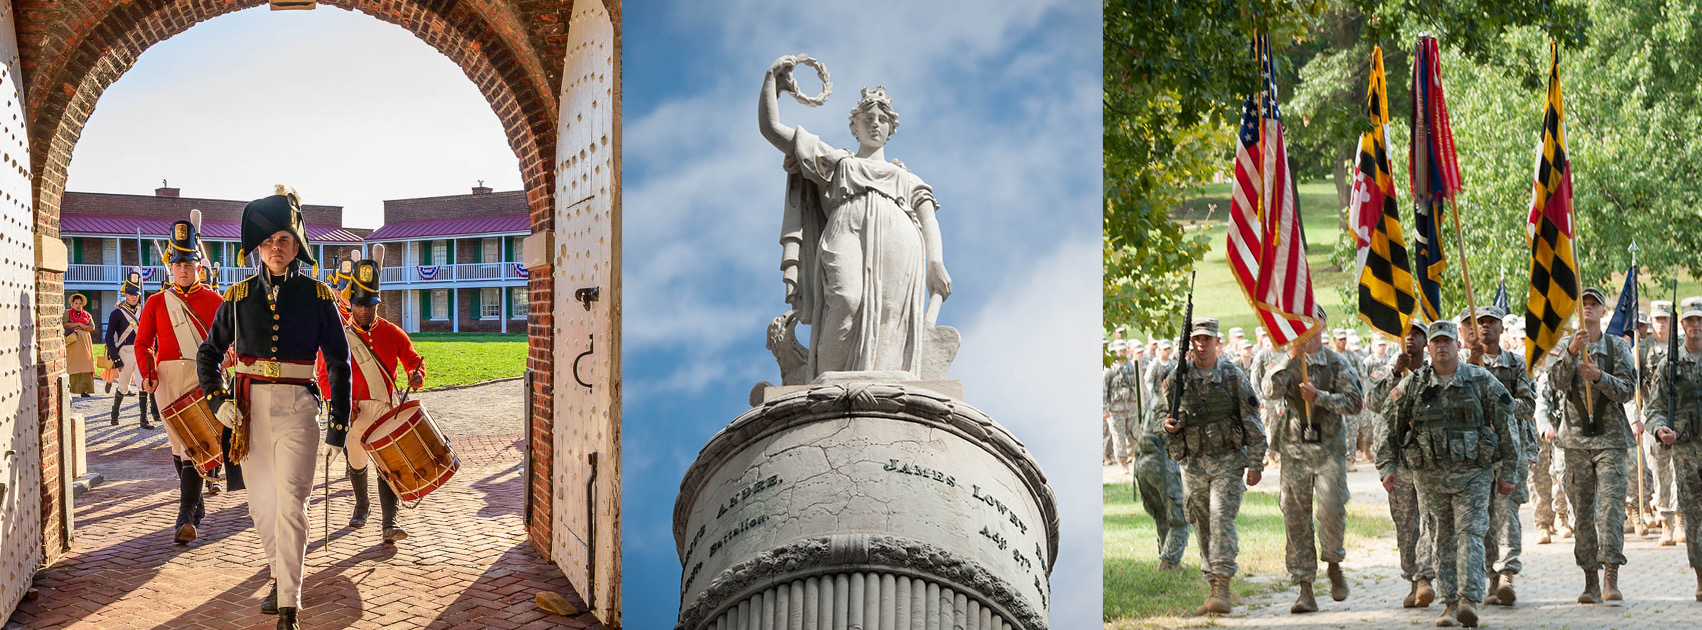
(377,378)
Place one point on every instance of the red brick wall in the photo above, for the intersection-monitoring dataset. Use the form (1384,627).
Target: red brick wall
(71,50)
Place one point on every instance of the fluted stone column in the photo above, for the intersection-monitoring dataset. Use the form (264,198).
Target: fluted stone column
(864,505)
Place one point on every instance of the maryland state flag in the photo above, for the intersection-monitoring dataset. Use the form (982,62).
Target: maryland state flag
(1554,269)
(1386,299)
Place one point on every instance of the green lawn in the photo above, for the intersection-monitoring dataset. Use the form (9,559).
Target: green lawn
(458,358)
(462,358)
(1138,595)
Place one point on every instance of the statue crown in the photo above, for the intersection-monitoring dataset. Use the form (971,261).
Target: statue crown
(876,95)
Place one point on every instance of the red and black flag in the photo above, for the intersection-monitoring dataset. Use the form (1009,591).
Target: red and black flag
(1554,268)
(1435,172)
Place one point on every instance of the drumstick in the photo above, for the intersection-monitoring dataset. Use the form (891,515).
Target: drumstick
(328,455)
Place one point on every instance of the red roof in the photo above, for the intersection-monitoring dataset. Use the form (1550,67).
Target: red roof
(78,224)
(452,227)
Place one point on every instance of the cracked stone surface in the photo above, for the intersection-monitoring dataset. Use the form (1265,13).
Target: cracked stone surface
(838,476)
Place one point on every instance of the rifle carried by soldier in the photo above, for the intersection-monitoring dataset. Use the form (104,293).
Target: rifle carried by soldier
(1672,369)
(1181,371)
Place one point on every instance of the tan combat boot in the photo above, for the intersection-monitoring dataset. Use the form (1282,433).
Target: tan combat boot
(1447,619)
(1610,584)
(1547,535)
(1306,602)
(1668,539)
(1424,593)
(1466,613)
(1565,529)
(1411,600)
(1166,565)
(1217,602)
(1490,585)
(1504,594)
(1592,589)
(1338,582)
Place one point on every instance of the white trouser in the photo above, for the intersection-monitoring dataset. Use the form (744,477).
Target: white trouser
(175,378)
(126,374)
(365,412)
(283,438)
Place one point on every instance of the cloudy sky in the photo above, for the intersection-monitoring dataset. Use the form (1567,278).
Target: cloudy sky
(347,109)
(999,111)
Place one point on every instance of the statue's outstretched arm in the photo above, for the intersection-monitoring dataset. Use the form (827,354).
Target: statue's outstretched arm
(768,105)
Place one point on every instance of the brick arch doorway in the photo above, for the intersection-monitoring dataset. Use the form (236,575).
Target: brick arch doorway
(550,72)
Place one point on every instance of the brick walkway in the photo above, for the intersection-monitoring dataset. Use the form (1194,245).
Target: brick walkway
(1658,583)
(466,563)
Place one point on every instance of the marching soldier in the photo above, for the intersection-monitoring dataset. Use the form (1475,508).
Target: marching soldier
(1597,441)
(278,319)
(1314,406)
(174,322)
(120,339)
(376,348)
(1217,439)
(1449,427)
(1504,542)
(1123,398)
(1654,351)
(1413,530)
(1678,382)
(1159,481)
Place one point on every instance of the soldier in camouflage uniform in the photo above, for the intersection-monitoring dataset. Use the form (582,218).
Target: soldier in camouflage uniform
(1413,530)
(1552,514)
(1158,480)
(1450,424)
(1311,433)
(1505,541)
(1597,445)
(1654,352)
(1677,431)
(1216,437)
(1122,402)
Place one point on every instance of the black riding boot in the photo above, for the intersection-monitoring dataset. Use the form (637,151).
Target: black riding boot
(387,508)
(117,402)
(362,504)
(188,502)
(153,406)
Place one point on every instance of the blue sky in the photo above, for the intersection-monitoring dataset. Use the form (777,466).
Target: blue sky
(999,108)
(347,109)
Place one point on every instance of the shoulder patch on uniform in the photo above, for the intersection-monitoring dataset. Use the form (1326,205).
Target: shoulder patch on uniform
(1506,398)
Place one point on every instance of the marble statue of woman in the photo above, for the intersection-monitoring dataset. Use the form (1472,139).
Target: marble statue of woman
(862,250)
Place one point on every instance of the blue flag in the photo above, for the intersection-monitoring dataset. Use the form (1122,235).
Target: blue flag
(1624,322)
(1501,301)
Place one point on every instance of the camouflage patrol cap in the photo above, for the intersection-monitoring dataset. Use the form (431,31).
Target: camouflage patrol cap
(1204,326)
(1442,328)
(1420,327)
(1237,331)
(1488,310)
(1661,308)
(1690,307)
(1601,298)
(1341,333)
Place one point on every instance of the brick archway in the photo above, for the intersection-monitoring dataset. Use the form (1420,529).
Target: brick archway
(70,51)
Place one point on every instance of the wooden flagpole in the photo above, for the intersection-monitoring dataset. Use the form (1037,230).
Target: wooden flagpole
(1465,271)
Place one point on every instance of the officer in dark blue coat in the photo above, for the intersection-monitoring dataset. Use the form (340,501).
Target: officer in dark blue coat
(279,319)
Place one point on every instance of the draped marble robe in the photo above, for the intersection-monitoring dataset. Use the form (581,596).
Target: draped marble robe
(854,258)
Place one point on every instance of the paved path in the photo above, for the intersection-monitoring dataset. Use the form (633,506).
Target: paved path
(466,564)
(1658,583)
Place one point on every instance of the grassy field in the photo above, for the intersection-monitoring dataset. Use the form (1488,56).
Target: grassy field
(462,358)
(459,358)
(1138,595)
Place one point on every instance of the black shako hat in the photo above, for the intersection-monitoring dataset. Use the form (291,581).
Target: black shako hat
(363,281)
(133,283)
(266,216)
(185,242)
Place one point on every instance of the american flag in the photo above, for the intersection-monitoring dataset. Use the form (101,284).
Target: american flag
(1283,290)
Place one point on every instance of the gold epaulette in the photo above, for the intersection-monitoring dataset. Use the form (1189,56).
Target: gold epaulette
(237,291)
(325,291)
